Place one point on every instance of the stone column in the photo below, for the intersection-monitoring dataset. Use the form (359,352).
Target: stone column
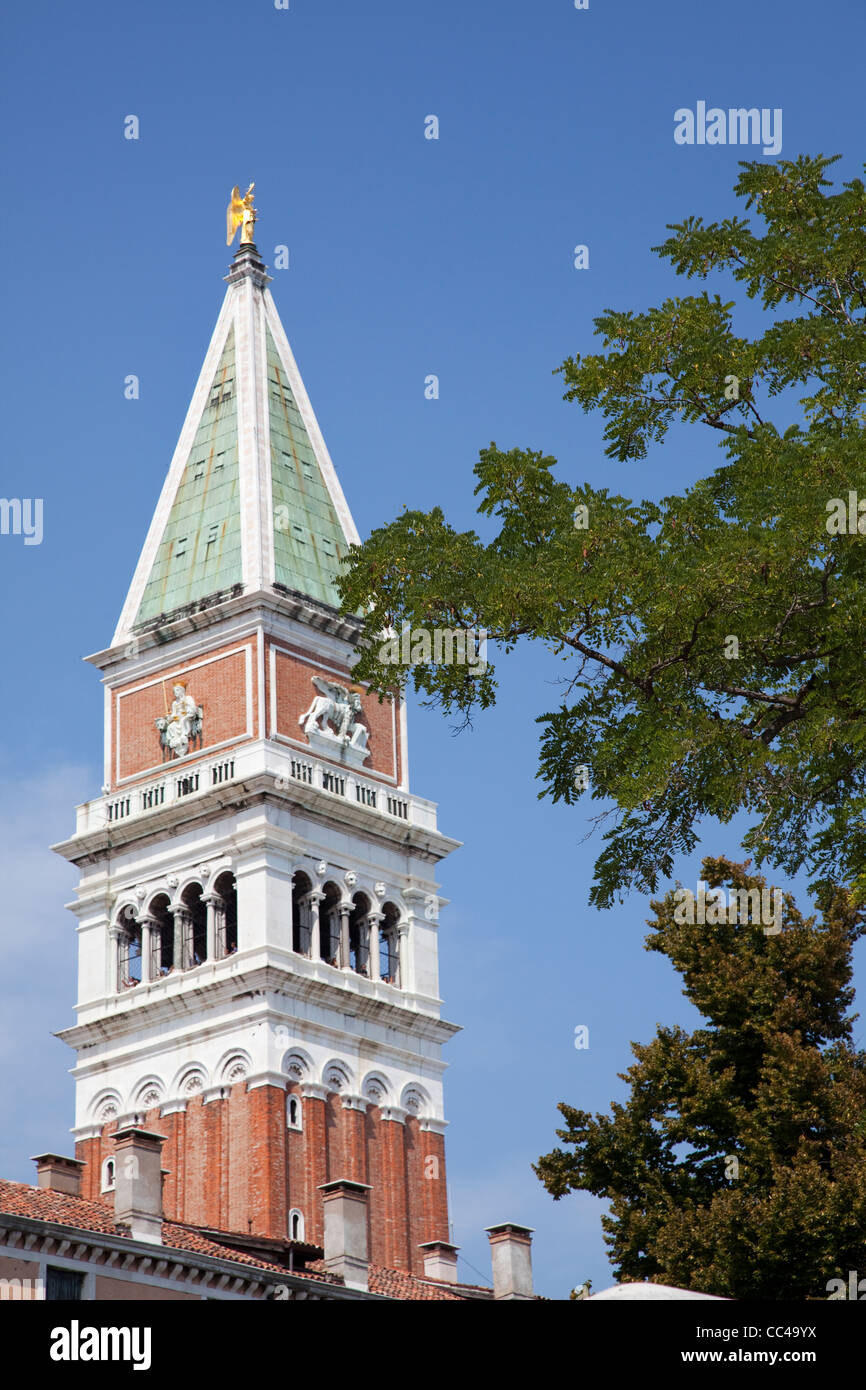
(345,914)
(373,929)
(404,972)
(116,935)
(314,898)
(182,923)
(216,925)
(148,926)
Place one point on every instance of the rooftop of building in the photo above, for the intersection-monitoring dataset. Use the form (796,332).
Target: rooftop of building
(81,1217)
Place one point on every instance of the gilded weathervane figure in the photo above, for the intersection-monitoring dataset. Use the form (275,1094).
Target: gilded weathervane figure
(241,213)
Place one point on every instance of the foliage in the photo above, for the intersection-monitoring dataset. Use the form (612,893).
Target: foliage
(772,1081)
(673,723)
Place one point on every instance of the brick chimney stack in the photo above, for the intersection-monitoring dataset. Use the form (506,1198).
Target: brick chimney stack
(138,1183)
(511,1256)
(440,1260)
(345,1203)
(58,1174)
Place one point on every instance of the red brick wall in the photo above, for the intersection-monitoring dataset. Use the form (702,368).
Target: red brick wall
(396,1224)
(355,1145)
(294,693)
(298,1183)
(433,1185)
(236,1159)
(335,1162)
(173,1127)
(316,1165)
(377,1197)
(212,1142)
(219,686)
(267,1161)
(233,1165)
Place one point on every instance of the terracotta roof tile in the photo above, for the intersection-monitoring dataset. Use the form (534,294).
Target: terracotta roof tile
(41,1204)
(396,1283)
(188,1238)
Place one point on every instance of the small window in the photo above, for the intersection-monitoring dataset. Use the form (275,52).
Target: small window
(220,460)
(180,547)
(296,1225)
(108,1172)
(299,535)
(213,533)
(221,392)
(63,1285)
(293,1112)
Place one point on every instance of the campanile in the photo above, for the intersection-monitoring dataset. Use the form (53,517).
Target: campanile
(257,907)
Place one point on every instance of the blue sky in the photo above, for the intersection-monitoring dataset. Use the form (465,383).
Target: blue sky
(407,257)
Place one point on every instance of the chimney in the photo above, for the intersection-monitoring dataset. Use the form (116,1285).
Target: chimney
(138,1183)
(440,1261)
(58,1174)
(511,1255)
(345,1205)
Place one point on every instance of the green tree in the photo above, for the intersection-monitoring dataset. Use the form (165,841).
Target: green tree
(713,640)
(737,1165)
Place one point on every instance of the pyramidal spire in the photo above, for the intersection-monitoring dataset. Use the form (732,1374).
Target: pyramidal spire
(251,501)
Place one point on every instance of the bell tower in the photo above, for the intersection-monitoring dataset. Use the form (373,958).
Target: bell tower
(257,906)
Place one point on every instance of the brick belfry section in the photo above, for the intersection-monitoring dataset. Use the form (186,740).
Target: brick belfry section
(257,906)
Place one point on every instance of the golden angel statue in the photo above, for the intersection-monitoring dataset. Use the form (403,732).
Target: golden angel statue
(241,213)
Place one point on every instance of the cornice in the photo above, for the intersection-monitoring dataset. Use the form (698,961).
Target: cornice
(109,1251)
(207,995)
(330,811)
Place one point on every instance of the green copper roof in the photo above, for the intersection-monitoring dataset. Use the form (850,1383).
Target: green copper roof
(200,550)
(308,539)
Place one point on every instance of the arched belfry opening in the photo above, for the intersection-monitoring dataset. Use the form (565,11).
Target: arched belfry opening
(302,913)
(359,934)
(389,945)
(192,913)
(129,963)
(161,936)
(225,908)
(329,924)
